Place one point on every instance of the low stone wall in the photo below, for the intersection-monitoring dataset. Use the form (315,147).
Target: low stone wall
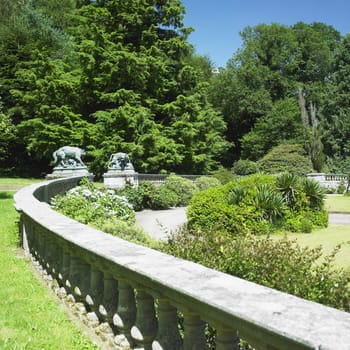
(139,293)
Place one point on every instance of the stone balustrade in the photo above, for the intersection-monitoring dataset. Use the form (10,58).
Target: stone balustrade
(329,180)
(151,300)
(113,179)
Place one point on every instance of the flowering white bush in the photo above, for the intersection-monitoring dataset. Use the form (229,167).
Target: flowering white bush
(89,204)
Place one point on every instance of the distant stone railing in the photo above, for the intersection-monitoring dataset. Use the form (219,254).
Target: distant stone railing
(159,179)
(329,180)
(139,293)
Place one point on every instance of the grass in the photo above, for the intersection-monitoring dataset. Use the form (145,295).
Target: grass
(14,184)
(329,238)
(338,204)
(30,318)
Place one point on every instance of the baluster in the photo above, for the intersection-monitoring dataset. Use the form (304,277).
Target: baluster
(65,278)
(110,298)
(168,336)
(95,295)
(39,249)
(78,273)
(58,262)
(85,280)
(194,337)
(145,328)
(24,235)
(124,319)
(27,227)
(49,260)
(226,339)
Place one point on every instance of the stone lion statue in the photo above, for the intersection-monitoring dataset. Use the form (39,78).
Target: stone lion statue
(68,157)
(120,161)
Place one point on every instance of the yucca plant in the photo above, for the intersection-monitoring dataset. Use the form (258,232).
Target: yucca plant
(236,194)
(271,202)
(287,184)
(314,192)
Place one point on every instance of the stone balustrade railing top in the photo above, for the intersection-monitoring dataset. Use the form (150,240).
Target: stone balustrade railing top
(144,295)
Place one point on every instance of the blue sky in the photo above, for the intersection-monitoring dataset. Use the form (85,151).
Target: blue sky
(217,23)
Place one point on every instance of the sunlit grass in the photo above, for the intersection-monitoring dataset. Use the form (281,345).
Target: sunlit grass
(328,238)
(14,184)
(338,204)
(29,317)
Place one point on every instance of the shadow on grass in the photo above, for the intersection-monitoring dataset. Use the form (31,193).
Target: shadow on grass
(6,195)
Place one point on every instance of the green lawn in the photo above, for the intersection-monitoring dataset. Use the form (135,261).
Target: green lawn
(14,184)
(329,238)
(338,204)
(30,318)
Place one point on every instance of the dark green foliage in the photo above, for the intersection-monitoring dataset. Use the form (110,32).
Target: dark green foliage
(277,263)
(286,157)
(281,125)
(245,167)
(109,76)
(256,92)
(258,204)
(7,131)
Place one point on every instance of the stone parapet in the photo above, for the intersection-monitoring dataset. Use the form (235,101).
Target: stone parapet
(138,293)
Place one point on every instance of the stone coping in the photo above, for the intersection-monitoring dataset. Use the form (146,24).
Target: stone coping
(257,312)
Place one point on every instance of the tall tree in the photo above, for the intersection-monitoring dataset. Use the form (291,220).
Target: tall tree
(274,61)
(136,65)
(336,111)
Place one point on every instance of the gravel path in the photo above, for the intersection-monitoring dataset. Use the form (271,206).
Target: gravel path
(339,219)
(160,223)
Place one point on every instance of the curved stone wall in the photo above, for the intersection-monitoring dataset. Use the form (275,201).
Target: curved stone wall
(139,293)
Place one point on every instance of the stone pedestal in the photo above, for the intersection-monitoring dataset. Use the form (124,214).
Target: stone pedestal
(61,172)
(120,178)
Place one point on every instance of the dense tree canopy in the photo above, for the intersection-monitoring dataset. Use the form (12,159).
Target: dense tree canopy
(117,75)
(110,76)
(258,92)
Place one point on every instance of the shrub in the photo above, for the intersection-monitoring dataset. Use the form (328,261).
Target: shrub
(216,209)
(183,188)
(314,192)
(258,204)
(281,264)
(288,185)
(205,182)
(286,158)
(305,225)
(245,167)
(89,205)
(139,196)
(124,230)
(271,202)
(224,175)
(163,198)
